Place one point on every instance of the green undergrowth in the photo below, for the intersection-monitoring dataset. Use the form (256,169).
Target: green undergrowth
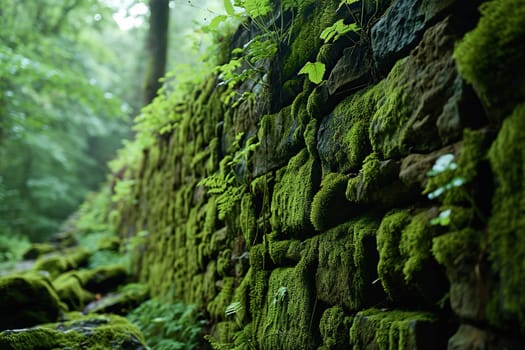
(168,325)
(12,248)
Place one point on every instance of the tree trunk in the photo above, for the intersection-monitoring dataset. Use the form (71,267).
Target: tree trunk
(157,46)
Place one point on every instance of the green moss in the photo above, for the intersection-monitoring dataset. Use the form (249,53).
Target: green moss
(38,249)
(39,338)
(392,113)
(312,18)
(451,248)
(61,262)
(507,223)
(103,279)
(370,168)
(390,266)
(407,269)
(27,300)
(329,206)
(293,193)
(348,123)
(390,329)
(310,138)
(334,327)
(71,292)
(415,244)
(491,56)
(316,106)
(224,262)
(299,105)
(121,302)
(111,243)
(281,136)
(288,311)
(217,307)
(347,265)
(248,221)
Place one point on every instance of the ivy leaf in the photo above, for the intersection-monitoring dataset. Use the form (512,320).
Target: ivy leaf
(229,8)
(315,71)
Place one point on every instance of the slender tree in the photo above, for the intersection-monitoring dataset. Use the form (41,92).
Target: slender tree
(157,45)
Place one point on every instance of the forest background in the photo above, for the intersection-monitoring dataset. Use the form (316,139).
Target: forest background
(72,76)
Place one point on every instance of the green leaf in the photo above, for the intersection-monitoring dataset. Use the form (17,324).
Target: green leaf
(257,8)
(315,71)
(229,8)
(215,22)
(337,30)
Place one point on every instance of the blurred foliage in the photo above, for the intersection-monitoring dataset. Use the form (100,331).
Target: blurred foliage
(168,326)
(62,113)
(70,81)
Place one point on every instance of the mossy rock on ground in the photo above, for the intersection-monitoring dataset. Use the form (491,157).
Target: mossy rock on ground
(85,332)
(105,278)
(60,262)
(27,300)
(121,302)
(37,250)
(71,291)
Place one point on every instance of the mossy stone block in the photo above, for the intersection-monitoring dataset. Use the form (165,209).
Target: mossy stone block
(491,56)
(411,119)
(71,291)
(311,19)
(407,270)
(378,329)
(347,265)
(38,249)
(330,206)
(281,136)
(293,194)
(27,300)
(86,332)
(348,123)
(334,327)
(507,222)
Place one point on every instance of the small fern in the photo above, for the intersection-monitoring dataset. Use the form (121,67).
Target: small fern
(168,326)
(225,184)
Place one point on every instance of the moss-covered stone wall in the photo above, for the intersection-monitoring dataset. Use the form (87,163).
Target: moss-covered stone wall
(314,228)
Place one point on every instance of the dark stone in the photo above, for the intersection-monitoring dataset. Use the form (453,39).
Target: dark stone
(469,337)
(400,29)
(120,303)
(38,249)
(352,71)
(280,136)
(348,124)
(26,301)
(106,278)
(414,167)
(426,104)
(385,191)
